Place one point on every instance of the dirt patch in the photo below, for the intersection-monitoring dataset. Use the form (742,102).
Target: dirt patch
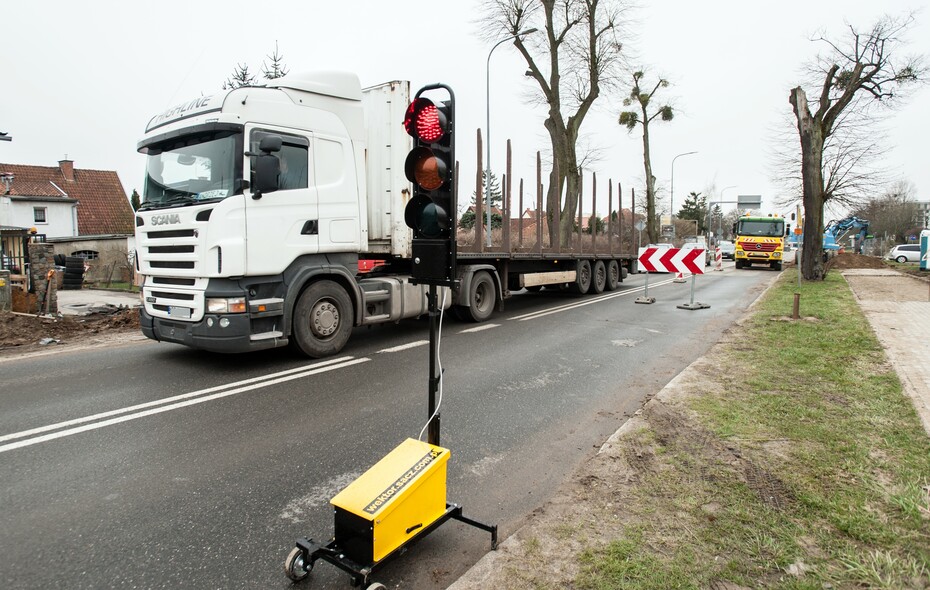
(24,333)
(847,260)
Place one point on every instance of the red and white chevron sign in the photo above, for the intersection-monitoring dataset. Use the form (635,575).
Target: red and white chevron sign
(673,260)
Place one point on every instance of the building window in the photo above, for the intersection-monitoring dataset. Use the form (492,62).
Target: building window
(38,215)
(87,254)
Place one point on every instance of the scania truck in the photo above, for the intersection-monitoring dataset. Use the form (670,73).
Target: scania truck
(231,266)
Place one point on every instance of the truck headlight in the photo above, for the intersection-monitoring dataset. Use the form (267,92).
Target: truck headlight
(226,305)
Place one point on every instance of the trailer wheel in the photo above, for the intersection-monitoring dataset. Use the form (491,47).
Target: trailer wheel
(294,567)
(481,299)
(598,277)
(322,319)
(613,275)
(582,282)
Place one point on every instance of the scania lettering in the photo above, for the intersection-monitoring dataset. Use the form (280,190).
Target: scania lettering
(260,202)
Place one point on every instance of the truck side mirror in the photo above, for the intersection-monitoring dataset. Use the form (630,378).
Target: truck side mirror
(267,166)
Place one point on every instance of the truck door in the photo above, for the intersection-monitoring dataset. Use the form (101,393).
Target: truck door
(283,224)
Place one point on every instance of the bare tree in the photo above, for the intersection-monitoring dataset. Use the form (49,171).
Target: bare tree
(277,69)
(642,99)
(894,213)
(862,73)
(572,62)
(240,77)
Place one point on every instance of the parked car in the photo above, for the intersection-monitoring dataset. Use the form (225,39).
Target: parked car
(727,249)
(905,253)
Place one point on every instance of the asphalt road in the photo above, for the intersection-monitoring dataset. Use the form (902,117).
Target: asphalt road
(153,466)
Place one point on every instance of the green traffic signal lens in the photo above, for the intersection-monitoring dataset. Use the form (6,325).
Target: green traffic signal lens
(432,221)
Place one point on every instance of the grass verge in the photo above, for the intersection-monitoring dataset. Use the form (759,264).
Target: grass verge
(803,466)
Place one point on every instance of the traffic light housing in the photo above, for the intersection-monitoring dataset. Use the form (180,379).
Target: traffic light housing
(430,166)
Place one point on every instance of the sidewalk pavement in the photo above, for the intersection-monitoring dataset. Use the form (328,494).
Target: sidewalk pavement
(898,309)
(84,301)
(896,305)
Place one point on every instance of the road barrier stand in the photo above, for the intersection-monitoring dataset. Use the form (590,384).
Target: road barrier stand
(692,305)
(645,298)
(680,278)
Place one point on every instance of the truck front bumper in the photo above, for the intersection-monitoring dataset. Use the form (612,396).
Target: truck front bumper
(207,334)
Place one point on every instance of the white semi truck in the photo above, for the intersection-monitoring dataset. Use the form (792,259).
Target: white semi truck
(231,266)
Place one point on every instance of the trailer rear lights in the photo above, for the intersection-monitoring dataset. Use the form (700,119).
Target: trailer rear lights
(226,305)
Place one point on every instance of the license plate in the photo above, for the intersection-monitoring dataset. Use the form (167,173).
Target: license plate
(179,312)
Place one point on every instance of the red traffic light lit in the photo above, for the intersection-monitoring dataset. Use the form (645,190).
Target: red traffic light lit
(426,169)
(425,121)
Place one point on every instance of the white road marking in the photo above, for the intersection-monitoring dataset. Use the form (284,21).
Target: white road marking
(480,328)
(265,381)
(589,301)
(404,346)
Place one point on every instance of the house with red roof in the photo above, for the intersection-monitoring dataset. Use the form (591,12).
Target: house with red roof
(83,212)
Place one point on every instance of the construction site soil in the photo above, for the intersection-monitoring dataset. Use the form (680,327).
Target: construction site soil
(23,333)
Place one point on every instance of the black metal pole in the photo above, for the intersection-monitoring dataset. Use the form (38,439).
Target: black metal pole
(433,427)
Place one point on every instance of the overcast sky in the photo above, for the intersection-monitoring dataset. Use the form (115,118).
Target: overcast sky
(81,79)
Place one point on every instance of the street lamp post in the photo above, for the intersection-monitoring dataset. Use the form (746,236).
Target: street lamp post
(487,165)
(672,198)
(720,222)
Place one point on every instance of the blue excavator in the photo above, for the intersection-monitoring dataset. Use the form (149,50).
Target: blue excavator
(837,233)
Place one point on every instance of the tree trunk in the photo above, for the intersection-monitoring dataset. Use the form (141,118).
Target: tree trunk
(652,221)
(810,131)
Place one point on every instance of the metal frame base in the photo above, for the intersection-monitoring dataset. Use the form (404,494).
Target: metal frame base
(693,306)
(361,573)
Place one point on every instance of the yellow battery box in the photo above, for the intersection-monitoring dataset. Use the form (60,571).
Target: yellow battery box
(399,497)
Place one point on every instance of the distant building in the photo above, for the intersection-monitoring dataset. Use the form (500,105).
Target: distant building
(83,212)
(923,213)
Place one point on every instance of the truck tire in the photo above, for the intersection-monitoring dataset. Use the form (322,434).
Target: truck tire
(776,265)
(598,277)
(582,283)
(482,296)
(613,275)
(322,320)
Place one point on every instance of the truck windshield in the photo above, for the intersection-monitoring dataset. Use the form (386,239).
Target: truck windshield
(192,169)
(770,228)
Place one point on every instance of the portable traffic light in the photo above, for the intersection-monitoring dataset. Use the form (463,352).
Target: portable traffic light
(430,166)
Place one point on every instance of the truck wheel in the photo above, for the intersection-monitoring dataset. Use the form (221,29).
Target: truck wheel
(582,282)
(481,299)
(598,277)
(613,275)
(739,263)
(776,265)
(322,319)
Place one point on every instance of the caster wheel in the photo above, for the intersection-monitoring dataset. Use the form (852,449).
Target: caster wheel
(294,566)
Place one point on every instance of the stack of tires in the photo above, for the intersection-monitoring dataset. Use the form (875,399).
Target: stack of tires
(74,271)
